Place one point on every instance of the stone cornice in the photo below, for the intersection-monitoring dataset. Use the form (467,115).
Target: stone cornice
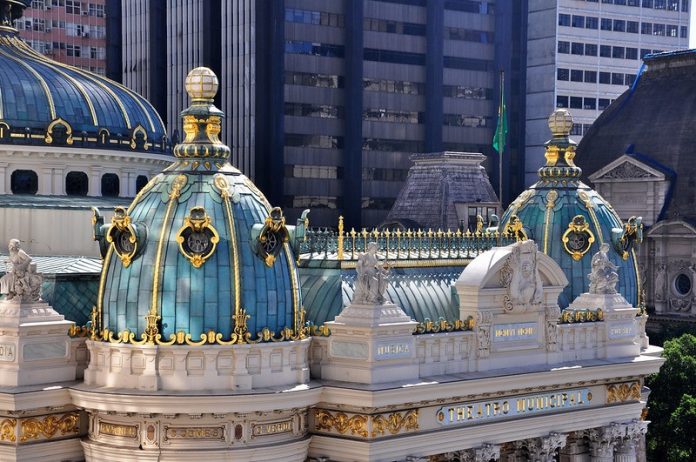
(43,153)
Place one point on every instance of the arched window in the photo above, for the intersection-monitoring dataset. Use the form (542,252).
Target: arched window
(24,182)
(140,183)
(76,184)
(110,185)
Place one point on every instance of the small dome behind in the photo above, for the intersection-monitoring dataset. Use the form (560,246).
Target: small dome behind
(50,103)
(569,220)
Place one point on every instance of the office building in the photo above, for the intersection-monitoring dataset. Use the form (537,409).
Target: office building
(583,54)
(328,101)
(68,31)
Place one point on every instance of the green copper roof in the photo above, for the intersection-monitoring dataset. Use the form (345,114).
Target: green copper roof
(559,206)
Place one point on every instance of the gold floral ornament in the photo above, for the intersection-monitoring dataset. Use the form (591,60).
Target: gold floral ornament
(515,228)
(272,237)
(578,238)
(197,238)
(123,236)
(59,132)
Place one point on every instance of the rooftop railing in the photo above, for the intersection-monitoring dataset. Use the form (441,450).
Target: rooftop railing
(400,244)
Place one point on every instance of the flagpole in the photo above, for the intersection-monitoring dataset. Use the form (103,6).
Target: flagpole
(499,135)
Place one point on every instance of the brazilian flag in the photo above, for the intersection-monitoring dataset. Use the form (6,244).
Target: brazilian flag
(501,129)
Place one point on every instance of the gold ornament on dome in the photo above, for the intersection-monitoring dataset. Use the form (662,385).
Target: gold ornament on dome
(272,237)
(121,235)
(52,135)
(201,84)
(560,123)
(197,238)
(578,238)
(515,228)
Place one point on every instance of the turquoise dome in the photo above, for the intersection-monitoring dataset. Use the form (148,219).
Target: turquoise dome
(46,102)
(569,221)
(200,253)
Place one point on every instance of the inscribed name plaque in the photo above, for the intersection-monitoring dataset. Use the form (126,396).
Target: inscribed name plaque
(194,433)
(466,413)
(622,330)
(392,350)
(124,431)
(349,350)
(515,332)
(7,352)
(48,350)
(271,428)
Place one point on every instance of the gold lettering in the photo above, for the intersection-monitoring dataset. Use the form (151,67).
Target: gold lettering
(126,431)
(277,427)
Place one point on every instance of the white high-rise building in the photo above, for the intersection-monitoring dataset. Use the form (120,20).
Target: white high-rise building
(583,54)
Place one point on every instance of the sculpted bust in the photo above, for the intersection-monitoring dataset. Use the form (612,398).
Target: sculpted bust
(21,282)
(603,277)
(371,282)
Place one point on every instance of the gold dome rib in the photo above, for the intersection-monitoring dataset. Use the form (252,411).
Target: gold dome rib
(77,84)
(88,77)
(49,97)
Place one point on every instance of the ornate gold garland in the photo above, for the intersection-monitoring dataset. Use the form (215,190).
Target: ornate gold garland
(569,316)
(443,325)
(620,392)
(49,426)
(7,430)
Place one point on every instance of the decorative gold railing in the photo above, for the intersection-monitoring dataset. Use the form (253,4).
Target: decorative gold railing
(399,244)
(570,316)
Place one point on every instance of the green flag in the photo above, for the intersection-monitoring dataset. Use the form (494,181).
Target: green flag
(501,129)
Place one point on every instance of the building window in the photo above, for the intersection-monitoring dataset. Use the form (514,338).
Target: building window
(590,49)
(603,103)
(460,120)
(646,28)
(605,77)
(140,183)
(76,184)
(466,92)
(575,102)
(672,31)
(617,78)
(73,50)
(659,29)
(393,27)
(313,48)
(324,111)
(564,19)
(398,57)
(24,182)
(631,53)
(562,74)
(605,51)
(606,24)
(630,79)
(633,3)
(313,171)
(644,52)
(619,25)
(591,76)
(576,75)
(591,22)
(390,115)
(685,6)
(564,47)
(589,103)
(395,86)
(73,7)
(313,141)
(96,10)
(632,27)
(660,4)
(576,130)
(467,35)
(455,62)
(577,48)
(647,3)
(110,185)
(309,79)
(682,284)
(619,2)
(617,52)
(561,101)
(578,21)
(389,145)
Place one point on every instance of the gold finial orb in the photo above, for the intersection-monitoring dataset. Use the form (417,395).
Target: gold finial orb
(560,122)
(201,84)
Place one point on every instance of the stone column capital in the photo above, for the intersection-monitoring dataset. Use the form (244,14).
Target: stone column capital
(543,449)
(485,453)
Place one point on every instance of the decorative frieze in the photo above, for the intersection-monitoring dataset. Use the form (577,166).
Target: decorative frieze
(47,427)
(366,426)
(8,429)
(620,392)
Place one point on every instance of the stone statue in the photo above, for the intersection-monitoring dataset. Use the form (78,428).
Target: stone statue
(22,282)
(525,284)
(660,279)
(603,277)
(371,282)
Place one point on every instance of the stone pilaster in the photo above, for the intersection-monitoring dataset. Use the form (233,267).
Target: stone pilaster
(575,450)
(544,449)
(626,449)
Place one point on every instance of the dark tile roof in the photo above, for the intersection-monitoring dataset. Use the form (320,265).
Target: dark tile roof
(653,121)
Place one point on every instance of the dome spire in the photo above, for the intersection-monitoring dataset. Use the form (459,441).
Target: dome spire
(202,148)
(560,149)
(11,10)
